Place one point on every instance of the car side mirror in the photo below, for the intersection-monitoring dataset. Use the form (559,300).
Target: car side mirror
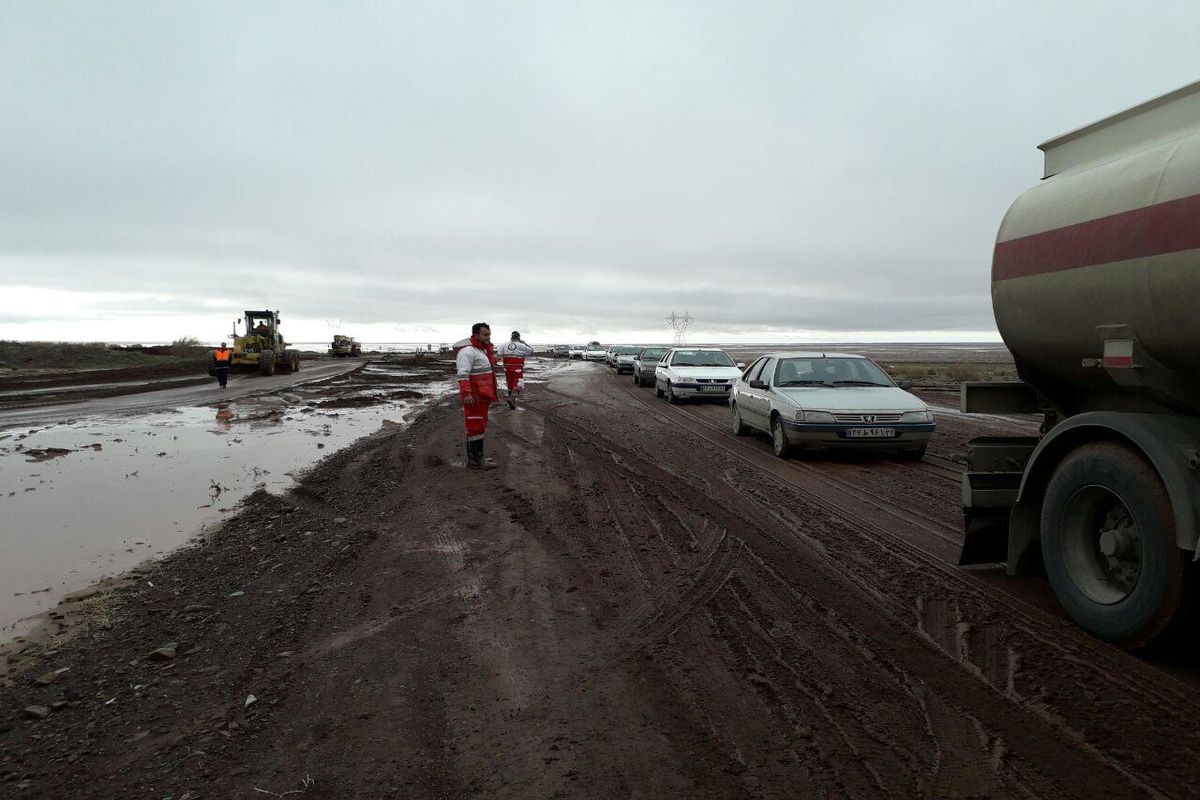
(741,365)
(758,384)
(905,385)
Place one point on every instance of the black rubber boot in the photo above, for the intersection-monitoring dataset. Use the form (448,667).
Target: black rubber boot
(485,462)
(475,459)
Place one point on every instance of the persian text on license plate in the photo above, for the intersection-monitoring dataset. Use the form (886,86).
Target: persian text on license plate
(712,388)
(870,433)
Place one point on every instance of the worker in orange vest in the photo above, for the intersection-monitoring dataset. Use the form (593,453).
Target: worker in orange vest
(222,362)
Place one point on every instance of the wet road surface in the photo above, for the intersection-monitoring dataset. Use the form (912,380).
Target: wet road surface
(240,385)
(85,500)
(635,604)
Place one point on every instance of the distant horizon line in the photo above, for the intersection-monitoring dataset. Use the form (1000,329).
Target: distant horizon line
(423,342)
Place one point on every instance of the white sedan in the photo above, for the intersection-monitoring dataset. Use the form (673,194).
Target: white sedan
(695,372)
(828,400)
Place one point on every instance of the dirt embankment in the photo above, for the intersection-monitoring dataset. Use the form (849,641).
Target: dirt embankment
(624,608)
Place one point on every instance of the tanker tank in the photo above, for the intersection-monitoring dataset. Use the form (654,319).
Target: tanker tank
(1107,247)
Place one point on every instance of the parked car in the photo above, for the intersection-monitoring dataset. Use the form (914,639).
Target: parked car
(695,372)
(828,400)
(560,350)
(622,357)
(575,351)
(645,362)
(594,352)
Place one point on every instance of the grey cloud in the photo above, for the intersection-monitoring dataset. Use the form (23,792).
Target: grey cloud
(836,166)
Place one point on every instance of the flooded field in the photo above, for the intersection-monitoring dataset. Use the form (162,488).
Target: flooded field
(92,497)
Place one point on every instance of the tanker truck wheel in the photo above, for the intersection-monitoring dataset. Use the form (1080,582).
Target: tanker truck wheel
(266,363)
(1108,542)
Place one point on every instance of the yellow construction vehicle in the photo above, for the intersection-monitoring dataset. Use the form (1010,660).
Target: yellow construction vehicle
(261,348)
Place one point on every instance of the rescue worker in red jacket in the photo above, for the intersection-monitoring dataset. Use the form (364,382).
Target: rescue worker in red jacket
(513,353)
(222,361)
(477,388)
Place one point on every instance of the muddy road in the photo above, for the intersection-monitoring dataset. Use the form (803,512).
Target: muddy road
(36,407)
(636,604)
(152,479)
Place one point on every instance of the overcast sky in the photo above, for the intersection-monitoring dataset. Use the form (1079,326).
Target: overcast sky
(782,171)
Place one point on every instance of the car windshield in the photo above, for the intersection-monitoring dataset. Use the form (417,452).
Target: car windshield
(627,351)
(822,371)
(653,353)
(701,358)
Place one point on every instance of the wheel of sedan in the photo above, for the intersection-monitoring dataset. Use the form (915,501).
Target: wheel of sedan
(779,438)
(739,428)
(671,397)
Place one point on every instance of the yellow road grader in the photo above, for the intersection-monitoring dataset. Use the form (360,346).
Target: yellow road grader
(261,348)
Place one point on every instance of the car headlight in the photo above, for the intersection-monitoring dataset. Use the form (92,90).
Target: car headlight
(916,416)
(814,416)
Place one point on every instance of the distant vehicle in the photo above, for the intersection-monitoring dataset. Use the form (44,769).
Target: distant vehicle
(261,348)
(645,362)
(594,352)
(560,350)
(344,347)
(576,351)
(1094,288)
(695,372)
(828,400)
(621,358)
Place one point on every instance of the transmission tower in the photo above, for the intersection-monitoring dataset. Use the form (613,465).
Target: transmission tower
(680,325)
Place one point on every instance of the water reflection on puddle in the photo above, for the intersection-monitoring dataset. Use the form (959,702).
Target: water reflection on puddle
(130,489)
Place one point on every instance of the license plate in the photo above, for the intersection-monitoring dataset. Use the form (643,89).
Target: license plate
(712,388)
(870,433)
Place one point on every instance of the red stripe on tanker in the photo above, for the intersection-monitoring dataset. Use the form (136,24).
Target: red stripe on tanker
(1169,227)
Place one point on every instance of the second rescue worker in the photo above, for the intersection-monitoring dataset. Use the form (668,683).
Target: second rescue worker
(477,388)
(514,352)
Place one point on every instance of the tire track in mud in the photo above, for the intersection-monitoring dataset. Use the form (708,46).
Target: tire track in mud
(779,471)
(1032,695)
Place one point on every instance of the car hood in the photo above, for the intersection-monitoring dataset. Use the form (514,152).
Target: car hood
(707,372)
(852,398)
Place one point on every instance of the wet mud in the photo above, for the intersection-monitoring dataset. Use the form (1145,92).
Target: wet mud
(152,481)
(635,604)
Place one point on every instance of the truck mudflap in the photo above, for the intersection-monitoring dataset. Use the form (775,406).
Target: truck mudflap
(991,485)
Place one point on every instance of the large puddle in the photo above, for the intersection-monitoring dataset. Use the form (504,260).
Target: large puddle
(91,498)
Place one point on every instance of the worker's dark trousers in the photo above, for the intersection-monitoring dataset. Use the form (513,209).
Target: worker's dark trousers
(222,376)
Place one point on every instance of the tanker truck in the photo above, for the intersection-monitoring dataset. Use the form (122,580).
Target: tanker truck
(1096,292)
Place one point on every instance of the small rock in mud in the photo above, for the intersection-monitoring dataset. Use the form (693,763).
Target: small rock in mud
(164,653)
(45,454)
(37,712)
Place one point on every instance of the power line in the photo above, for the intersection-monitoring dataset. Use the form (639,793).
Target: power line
(680,325)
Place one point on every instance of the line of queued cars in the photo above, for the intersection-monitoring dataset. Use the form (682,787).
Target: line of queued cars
(804,400)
